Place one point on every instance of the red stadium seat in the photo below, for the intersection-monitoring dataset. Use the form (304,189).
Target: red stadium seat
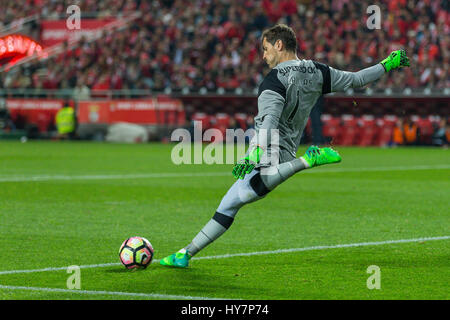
(426,130)
(171,117)
(350,130)
(308,128)
(331,127)
(434,120)
(385,129)
(389,120)
(222,120)
(349,120)
(216,123)
(203,118)
(43,121)
(212,122)
(241,118)
(367,120)
(368,130)
(181,118)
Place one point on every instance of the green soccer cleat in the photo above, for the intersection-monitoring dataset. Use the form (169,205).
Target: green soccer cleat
(178,260)
(316,156)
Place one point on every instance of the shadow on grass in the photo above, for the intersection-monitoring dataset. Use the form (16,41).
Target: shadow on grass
(192,281)
(121,269)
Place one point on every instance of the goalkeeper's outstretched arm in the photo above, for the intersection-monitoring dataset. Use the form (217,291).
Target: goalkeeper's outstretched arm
(343,80)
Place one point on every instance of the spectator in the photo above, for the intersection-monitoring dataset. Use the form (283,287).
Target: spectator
(250,123)
(81,91)
(405,132)
(410,132)
(215,44)
(6,122)
(233,124)
(441,136)
(398,134)
(65,121)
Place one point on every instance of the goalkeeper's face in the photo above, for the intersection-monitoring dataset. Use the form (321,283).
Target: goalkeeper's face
(271,55)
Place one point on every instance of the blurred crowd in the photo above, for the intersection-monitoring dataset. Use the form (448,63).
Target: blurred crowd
(215,44)
(409,132)
(13,11)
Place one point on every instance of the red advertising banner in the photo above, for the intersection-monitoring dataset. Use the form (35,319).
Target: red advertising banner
(151,111)
(38,111)
(16,105)
(93,112)
(56,31)
(160,110)
(141,111)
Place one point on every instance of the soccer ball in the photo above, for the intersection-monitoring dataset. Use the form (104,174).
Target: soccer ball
(136,253)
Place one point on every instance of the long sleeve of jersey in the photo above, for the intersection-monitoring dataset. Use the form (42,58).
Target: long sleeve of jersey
(335,80)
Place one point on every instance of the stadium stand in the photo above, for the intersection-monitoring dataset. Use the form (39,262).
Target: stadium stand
(213,47)
(215,44)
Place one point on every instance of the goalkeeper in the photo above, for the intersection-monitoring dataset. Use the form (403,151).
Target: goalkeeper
(285,99)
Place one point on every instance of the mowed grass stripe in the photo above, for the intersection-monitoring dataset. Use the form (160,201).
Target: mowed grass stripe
(35,178)
(114,293)
(244,254)
(66,222)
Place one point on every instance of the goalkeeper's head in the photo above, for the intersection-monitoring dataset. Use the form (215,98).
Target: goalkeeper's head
(279,43)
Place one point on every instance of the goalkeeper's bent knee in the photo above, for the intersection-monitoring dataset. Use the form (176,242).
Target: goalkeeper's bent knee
(274,176)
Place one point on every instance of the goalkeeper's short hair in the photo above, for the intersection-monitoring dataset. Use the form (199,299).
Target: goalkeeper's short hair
(281,32)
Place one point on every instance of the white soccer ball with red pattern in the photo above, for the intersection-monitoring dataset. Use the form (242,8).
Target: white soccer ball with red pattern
(136,253)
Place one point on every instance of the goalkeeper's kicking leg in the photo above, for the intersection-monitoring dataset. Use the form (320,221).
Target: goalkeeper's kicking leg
(252,187)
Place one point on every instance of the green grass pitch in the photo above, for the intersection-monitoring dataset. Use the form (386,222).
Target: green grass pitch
(373,195)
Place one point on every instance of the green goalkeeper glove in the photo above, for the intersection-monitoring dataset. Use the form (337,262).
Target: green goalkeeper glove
(396,59)
(247,164)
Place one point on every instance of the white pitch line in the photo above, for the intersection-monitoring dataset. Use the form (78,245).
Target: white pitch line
(246,254)
(113,293)
(399,168)
(338,246)
(37,178)
(101,265)
(110,176)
